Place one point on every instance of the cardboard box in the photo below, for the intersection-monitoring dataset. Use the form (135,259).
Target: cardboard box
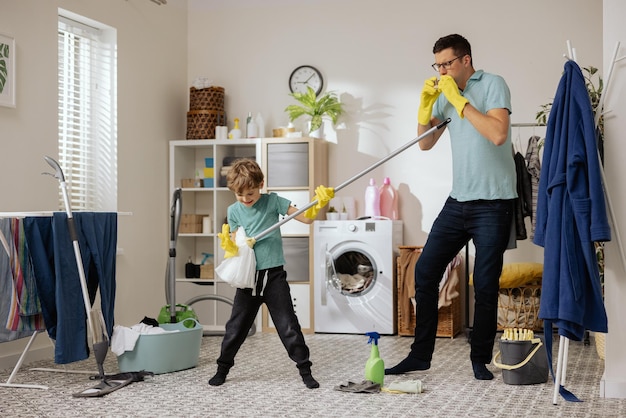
(190,224)
(207,271)
(187,183)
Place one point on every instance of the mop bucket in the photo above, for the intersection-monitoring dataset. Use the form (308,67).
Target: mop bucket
(523,362)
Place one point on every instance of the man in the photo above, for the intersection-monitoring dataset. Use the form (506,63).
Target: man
(480,205)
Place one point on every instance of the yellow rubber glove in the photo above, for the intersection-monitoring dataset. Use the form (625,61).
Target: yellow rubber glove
(250,241)
(323,196)
(427,100)
(448,87)
(227,243)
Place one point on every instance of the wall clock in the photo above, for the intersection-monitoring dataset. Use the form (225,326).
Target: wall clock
(306,76)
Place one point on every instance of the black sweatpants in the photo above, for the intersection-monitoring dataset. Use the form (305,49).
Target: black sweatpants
(277,297)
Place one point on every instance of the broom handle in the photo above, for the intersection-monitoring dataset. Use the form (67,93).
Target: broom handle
(355,177)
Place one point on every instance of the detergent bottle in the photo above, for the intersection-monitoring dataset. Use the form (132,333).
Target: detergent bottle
(374,367)
(372,200)
(388,200)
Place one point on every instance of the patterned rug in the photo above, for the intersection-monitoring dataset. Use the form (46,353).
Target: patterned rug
(265,383)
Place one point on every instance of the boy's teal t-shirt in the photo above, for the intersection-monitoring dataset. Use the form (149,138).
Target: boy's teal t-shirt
(255,219)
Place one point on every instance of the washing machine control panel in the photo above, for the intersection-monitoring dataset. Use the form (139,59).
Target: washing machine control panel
(352,227)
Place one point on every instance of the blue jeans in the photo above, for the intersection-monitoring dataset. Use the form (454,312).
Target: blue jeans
(58,280)
(488,224)
(277,298)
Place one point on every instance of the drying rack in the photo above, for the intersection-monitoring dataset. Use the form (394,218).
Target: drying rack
(561,369)
(20,361)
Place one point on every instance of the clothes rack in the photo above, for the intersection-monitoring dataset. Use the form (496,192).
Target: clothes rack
(18,365)
(526,125)
(564,341)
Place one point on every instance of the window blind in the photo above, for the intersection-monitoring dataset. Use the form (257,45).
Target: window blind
(87,114)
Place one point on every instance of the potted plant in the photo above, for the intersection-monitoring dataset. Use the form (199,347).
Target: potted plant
(327,104)
(344,214)
(332,214)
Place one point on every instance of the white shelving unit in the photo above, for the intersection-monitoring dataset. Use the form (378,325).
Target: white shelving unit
(187,161)
(293,167)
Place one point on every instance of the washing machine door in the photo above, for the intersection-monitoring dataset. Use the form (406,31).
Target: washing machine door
(350,272)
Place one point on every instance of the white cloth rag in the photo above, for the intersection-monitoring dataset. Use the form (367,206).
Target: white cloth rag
(408,386)
(124,338)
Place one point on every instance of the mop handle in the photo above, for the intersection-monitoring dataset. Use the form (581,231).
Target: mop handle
(355,177)
(74,237)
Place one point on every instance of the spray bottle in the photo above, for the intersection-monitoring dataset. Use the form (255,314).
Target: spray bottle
(374,367)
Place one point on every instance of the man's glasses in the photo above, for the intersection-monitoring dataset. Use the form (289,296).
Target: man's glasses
(445,65)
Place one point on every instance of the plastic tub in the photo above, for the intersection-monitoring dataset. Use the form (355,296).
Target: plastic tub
(164,353)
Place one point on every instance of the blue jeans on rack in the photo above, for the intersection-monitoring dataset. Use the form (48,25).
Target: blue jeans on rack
(58,280)
(488,224)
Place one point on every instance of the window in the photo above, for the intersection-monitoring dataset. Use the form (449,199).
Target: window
(87,112)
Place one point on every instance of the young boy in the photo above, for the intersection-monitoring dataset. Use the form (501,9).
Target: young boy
(256,212)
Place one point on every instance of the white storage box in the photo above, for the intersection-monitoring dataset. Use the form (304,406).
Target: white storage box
(164,353)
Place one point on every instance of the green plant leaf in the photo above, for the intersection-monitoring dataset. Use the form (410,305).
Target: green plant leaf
(326,105)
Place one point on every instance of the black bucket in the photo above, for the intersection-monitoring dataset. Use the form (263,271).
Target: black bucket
(523,362)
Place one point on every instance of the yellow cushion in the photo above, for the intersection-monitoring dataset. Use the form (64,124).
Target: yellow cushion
(517,274)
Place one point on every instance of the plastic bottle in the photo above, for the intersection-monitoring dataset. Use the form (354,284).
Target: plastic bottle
(388,200)
(189,269)
(260,125)
(375,366)
(372,200)
(206,225)
(251,128)
(235,133)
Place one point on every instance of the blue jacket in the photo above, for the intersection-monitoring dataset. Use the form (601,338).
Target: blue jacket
(571,212)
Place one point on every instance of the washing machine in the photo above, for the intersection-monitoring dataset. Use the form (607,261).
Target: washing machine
(354,280)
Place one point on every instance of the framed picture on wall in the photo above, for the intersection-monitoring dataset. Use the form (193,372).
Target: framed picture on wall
(7,71)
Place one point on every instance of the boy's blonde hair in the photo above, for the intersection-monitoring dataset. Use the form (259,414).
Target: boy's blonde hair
(244,174)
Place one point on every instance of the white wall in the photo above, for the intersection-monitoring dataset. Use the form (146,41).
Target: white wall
(614,382)
(152,97)
(376,55)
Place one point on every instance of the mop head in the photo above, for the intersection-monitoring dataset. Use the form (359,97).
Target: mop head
(112,383)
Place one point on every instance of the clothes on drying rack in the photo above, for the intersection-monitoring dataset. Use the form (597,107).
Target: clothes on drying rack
(533,165)
(58,280)
(524,199)
(19,302)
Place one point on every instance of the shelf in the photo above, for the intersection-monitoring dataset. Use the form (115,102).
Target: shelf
(206,282)
(196,235)
(292,167)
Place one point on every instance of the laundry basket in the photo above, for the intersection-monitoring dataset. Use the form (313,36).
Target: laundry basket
(164,353)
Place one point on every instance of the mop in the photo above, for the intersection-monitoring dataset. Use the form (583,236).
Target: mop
(323,196)
(95,320)
(314,206)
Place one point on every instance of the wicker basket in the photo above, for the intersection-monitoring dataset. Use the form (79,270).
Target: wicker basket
(600,344)
(449,319)
(201,123)
(210,98)
(518,307)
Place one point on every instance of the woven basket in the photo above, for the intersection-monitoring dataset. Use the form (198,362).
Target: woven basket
(449,318)
(201,123)
(518,307)
(600,344)
(210,98)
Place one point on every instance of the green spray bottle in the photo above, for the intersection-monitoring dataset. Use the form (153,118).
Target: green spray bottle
(374,367)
